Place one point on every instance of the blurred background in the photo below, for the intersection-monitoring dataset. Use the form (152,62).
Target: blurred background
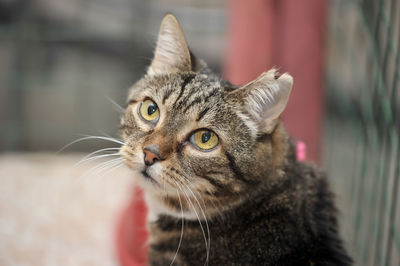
(66,64)
(62,60)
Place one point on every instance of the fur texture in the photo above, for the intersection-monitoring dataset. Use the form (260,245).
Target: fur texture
(247,201)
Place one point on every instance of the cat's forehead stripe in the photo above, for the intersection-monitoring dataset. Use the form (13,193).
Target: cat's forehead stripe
(186,80)
(186,89)
(202,99)
(190,89)
(202,113)
(199,90)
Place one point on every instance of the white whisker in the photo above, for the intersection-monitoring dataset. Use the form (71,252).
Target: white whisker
(110,169)
(91,137)
(97,169)
(183,223)
(105,138)
(104,134)
(222,217)
(87,160)
(198,218)
(104,170)
(213,203)
(107,164)
(118,107)
(98,151)
(205,219)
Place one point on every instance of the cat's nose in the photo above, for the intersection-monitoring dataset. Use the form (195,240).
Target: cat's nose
(151,154)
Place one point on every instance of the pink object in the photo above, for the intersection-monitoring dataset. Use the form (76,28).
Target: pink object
(300,151)
(287,34)
(132,234)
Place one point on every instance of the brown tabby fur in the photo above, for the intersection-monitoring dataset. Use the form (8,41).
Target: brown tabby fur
(248,201)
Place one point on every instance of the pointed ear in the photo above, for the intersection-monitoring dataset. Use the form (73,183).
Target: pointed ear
(265,98)
(172,53)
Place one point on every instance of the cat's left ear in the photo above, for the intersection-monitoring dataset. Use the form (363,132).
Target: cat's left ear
(172,53)
(265,98)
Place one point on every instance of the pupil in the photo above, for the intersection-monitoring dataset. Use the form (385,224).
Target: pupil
(205,137)
(151,109)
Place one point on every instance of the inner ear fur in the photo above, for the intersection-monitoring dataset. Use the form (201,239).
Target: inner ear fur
(265,98)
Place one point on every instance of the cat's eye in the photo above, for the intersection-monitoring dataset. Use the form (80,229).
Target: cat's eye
(149,111)
(204,139)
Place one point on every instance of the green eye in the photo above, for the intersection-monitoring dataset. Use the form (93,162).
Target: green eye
(204,139)
(149,111)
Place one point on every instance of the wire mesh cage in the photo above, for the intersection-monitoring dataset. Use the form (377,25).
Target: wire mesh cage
(363,121)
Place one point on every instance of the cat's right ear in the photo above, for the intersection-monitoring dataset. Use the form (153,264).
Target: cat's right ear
(172,53)
(265,98)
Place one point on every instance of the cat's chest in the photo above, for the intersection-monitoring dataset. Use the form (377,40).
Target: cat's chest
(221,242)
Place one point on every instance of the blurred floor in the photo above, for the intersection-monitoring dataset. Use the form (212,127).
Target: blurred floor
(51,214)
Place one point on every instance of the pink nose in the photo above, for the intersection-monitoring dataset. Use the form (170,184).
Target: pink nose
(151,155)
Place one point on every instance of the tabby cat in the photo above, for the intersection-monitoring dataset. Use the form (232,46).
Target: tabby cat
(218,169)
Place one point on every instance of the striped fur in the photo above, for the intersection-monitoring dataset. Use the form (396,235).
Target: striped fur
(246,202)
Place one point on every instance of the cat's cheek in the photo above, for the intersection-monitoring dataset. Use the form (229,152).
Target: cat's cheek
(133,157)
(145,127)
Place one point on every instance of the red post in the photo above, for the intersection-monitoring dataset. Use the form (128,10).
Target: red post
(286,34)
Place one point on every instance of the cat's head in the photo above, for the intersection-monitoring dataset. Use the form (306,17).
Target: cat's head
(194,139)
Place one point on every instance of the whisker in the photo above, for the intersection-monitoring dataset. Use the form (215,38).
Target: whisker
(104,134)
(107,164)
(221,216)
(183,223)
(95,170)
(205,219)
(87,160)
(204,215)
(110,169)
(214,205)
(98,151)
(112,139)
(90,173)
(118,107)
(198,219)
(100,173)
(91,137)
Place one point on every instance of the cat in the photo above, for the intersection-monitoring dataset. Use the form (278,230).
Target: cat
(218,168)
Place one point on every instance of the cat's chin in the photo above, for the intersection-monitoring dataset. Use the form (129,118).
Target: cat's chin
(149,179)
(146,180)
(163,199)
(145,175)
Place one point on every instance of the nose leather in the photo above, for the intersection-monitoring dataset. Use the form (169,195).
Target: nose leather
(151,154)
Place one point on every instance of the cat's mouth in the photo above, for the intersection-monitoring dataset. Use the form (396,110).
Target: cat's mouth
(147,176)
(136,163)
